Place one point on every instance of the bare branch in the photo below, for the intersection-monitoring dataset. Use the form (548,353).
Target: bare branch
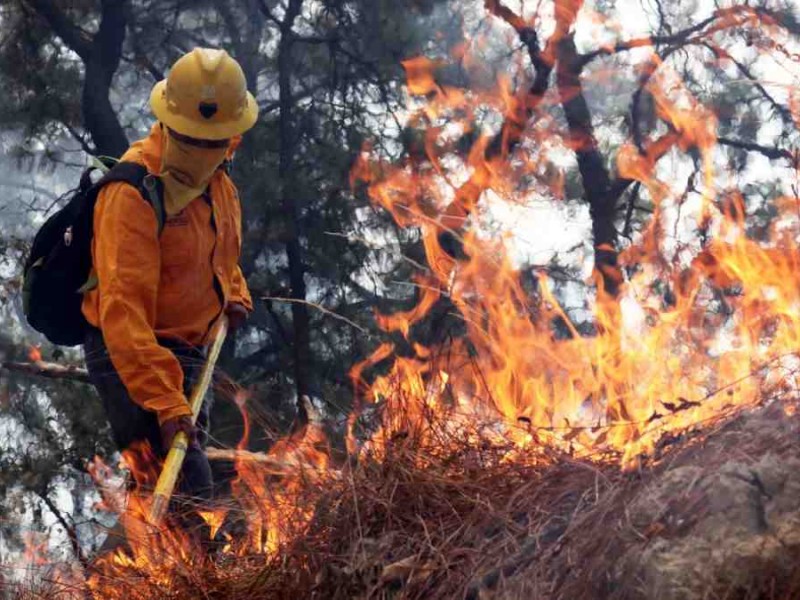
(681,37)
(663,23)
(627,227)
(30,187)
(224,9)
(79,138)
(142,61)
(275,104)
(513,126)
(268,13)
(316,40)
(500,10)
(319,307)
(780,18)
(72,35)
(69,529)
(783,111)
(770,152)
(48,370)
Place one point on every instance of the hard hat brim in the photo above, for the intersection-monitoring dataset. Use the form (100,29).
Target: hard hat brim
(198,129)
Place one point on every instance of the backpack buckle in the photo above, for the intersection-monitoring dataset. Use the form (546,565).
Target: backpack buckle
(68,236)
(149,182)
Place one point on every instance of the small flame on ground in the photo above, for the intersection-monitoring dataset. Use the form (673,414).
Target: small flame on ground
(35,354)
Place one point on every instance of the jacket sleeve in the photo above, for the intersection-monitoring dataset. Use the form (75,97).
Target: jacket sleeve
(239,291)
(127,260)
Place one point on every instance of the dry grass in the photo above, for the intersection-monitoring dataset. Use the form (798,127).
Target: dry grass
(470,525)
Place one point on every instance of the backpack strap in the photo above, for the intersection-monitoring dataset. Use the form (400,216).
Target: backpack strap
(150,187)
(153,192)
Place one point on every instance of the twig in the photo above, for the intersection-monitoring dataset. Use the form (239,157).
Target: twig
(681,37)
(245,455)
(773,153)
(319,307)
(268,465)
(69,529)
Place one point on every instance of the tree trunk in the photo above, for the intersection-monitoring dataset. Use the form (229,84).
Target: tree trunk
(294,251)
(597,187)
(245,25)
(101,56)
(99,117)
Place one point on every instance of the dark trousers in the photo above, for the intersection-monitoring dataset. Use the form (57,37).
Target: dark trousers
(130,423)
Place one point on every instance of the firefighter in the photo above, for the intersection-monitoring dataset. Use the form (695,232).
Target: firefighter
(162,284)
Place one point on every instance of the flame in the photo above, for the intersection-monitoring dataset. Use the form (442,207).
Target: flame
(37,548)
(273,514)
(653,366)
(419,73)
(35,354)
(400,321)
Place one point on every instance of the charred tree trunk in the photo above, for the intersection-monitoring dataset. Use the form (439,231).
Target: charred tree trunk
(599,193)
(101,56)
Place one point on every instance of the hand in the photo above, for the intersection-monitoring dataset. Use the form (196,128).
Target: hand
(171,427)
(237,315)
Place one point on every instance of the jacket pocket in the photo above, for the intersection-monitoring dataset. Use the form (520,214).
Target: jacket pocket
(176,246)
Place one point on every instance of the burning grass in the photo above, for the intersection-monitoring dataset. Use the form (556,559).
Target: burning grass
(714,515)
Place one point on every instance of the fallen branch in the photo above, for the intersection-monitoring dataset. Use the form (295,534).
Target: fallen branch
(47,369)
(244,455)
(268,465)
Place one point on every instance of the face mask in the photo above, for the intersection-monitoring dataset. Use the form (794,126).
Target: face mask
(186,171)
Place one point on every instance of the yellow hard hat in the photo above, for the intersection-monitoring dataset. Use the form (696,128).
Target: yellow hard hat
(205,96)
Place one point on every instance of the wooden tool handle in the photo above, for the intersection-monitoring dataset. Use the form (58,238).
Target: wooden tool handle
(180,443)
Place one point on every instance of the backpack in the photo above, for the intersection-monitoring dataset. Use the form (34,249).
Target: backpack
(58,269)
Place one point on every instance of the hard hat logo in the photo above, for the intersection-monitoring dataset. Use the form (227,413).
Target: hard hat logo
(205,97)
(208,109)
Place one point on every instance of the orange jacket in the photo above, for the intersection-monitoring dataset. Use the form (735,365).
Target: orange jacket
(163,287)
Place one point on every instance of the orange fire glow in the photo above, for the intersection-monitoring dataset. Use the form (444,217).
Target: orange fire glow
(273,514)
(35,354)
(655,365)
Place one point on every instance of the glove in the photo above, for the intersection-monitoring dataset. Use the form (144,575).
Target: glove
(171,427)
(237,315)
